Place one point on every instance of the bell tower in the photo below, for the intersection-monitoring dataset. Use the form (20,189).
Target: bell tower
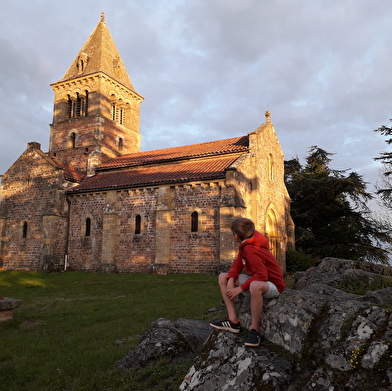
(96,108)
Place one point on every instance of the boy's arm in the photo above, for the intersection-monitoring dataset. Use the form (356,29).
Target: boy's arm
(235,269)
(256,263)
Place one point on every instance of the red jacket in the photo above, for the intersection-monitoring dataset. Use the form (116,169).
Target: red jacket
(254,256)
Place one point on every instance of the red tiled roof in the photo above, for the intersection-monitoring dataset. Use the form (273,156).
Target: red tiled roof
(220,147)
(207,169)
(70,173)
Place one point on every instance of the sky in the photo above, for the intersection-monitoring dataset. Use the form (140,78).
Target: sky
(209,69)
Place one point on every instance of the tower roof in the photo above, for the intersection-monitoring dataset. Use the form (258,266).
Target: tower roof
(99,54)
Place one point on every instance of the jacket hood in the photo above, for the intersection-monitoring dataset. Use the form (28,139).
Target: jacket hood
(257,240)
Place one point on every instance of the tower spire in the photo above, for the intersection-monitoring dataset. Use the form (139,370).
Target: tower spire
(99,54)
(96,108)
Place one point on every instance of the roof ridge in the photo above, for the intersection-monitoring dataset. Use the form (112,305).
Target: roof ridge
(203,143)
(154,175)
(178,153)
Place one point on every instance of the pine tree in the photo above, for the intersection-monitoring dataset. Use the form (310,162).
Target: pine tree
(329,209)
(384,189)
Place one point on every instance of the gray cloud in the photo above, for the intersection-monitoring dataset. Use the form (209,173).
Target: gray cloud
(210,69)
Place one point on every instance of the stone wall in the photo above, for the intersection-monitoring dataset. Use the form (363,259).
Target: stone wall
(33,214)
(165,239)
(92,134)
(269,202)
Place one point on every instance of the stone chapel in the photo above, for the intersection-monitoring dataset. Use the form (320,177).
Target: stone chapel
(95,202)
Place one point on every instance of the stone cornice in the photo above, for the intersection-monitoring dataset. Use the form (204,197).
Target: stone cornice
(87,79)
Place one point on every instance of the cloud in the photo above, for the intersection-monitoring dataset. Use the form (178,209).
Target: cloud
(210,69)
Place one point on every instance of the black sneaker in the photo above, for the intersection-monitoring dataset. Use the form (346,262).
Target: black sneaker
(226,324)
(254,339)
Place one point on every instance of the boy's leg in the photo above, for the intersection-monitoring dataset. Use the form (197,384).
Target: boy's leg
(230,306)
(257,289)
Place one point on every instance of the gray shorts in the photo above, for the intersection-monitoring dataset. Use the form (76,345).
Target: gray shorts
(272,291)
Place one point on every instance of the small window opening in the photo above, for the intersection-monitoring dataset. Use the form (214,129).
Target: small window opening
(78,105)
(72,139)
(120,145)
(82,109)
(24,231)
(88,226)
(194,222)
(70,106)
(271,167)
(138,224)
(126,119)
(86,104)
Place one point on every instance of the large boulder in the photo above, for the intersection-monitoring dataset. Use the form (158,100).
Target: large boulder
(226,364)
(318,337)
(175,342)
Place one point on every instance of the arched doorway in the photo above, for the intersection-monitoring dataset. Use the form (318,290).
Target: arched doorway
(272,232)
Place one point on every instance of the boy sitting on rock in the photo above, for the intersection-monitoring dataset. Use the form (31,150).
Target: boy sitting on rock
(264,278)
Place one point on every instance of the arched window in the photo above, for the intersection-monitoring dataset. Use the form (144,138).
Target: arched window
(24,230)
(120,145)
(72,140)
(86,104)
(114,111)
(194,222)
(114,107)
(272,233)
(70,107)
(88,227)
(121,116)
(138,224)
(119,110)
(78,105)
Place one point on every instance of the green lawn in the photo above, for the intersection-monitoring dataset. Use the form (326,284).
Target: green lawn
(65,335)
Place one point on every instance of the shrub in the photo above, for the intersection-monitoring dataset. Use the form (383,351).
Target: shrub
(297,260)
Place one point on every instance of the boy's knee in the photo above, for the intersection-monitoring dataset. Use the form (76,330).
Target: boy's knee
(258,287)
(222,278)
(254,287)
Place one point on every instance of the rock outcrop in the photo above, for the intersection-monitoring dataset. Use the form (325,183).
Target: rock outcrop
(316,337)
(7,307)
(175,342)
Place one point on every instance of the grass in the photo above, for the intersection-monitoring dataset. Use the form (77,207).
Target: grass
(362,287)
(73,327)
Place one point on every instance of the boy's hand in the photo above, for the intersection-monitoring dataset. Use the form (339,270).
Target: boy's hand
(234,292)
